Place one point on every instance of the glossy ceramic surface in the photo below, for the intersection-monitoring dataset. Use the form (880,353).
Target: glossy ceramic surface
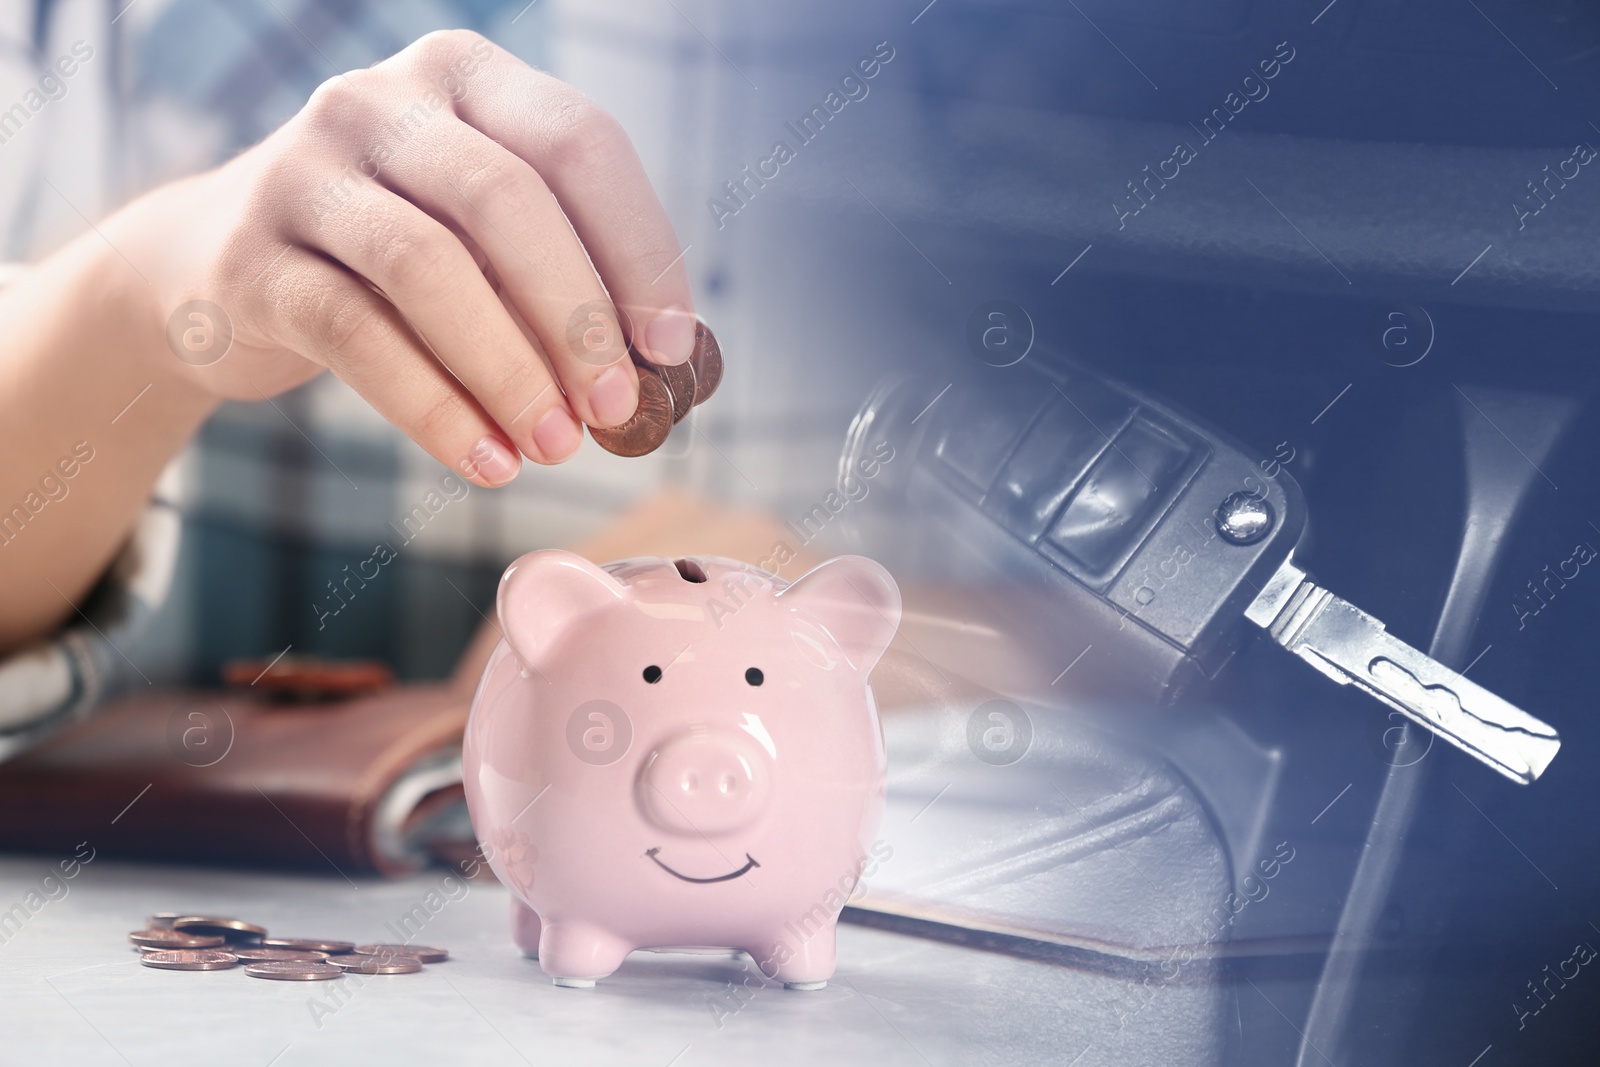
(680,754)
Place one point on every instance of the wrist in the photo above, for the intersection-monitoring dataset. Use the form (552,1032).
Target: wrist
(119,276)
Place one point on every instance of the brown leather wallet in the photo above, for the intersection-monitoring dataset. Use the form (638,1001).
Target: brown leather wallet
(367,784)
(231,778)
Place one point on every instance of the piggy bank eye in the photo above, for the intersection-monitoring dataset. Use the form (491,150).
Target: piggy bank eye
(754,676)
(652,674)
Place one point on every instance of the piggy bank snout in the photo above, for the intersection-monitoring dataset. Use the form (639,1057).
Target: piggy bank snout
(706,782)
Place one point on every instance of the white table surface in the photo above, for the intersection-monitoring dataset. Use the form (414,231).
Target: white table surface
(72,992)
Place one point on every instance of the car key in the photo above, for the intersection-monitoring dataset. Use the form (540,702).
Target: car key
(1046,517)
(1352,647)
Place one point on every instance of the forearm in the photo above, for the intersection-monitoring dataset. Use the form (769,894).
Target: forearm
(91,409)
(333,246)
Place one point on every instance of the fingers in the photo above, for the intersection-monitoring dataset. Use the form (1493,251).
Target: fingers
(517,250)
(432,280)
(334,319)
(505,209)
(586,160)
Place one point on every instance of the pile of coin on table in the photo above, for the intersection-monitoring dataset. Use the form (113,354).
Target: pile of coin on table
(665,396)
(176,942)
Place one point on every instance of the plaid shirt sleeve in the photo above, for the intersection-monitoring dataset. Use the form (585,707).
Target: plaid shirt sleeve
(263,59)
(63,676)
(289,507)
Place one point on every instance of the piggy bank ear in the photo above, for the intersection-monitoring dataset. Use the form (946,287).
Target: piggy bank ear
(856,600)
(544,593)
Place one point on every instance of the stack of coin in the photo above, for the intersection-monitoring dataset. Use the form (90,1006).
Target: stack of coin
(665,396)
(155,939)
(235,931)
(173,941)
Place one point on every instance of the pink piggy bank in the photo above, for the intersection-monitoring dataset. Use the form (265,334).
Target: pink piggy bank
(680,755)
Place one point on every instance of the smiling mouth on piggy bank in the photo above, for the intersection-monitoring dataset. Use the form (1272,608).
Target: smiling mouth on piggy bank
(750,862)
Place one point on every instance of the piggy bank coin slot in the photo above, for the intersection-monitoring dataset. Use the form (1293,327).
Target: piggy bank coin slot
(689,570)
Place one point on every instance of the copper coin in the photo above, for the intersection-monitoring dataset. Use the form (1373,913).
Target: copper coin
(650,424)
(204,959)
(232,929)
(292,970)
(425,953)
(680,383)
(363,964)
(162,920)
(309,944)
(299,955)
(172,939)
(707,362)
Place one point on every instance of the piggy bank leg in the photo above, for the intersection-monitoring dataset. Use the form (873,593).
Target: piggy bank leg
(811,964)
(525,928)
(575,953)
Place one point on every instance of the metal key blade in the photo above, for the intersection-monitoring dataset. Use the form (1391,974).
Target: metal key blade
(1352,647)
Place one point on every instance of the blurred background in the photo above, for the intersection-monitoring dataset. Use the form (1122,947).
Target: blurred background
(1430,160)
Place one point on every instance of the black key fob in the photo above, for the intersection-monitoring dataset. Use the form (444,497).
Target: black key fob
(1056,533)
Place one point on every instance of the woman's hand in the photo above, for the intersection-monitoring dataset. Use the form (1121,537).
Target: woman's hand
(450,232)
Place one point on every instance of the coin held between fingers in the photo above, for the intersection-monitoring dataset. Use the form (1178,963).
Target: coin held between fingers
(707,362)
(649,426)
(681,384)
(666,393)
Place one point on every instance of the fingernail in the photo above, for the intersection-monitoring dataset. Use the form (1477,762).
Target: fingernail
(613,398)
(557,435)
(494,462)
(670,335)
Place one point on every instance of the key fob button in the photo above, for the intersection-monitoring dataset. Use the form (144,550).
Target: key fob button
(977,432)
(1244,518)
(1006,497)
(1121,496)
(1060,447)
